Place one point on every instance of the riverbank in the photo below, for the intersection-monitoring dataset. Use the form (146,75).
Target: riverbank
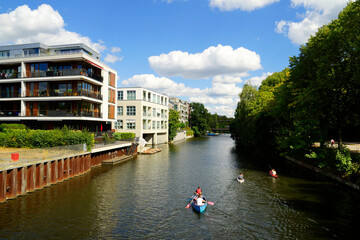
(324,172)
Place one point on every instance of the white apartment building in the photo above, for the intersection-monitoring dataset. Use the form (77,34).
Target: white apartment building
(144,113)
(50,86)
(183,107)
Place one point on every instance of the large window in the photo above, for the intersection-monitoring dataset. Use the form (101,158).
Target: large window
(130,124)
(131,110)
(154,112)
(120,110)
(131,95)
(120,95)
(119,124)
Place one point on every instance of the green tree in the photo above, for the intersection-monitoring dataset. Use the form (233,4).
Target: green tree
(199,119)
(173,123)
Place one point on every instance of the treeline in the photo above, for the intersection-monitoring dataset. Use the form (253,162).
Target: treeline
(202,121)
(314,100)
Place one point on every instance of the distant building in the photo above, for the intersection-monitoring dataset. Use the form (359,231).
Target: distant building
(50,86)
(144,113)
(182,107)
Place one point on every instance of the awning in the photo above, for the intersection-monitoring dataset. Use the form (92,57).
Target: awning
(93,64)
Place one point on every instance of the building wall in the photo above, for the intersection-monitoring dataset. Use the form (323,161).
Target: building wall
(149,123)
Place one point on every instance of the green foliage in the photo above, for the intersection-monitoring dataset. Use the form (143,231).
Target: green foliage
(173,123)
(127,136)
(182,125)
(23,138)
(199,119)
(189,133)
(11,126)
(117,136)
(105,137)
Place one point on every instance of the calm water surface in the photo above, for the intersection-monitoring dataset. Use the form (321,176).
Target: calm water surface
(145,198)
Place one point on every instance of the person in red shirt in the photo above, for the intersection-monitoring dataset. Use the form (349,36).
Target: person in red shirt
(197,191)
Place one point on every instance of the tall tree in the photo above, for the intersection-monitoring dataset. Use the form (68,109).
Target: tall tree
(173,123)
(199,119)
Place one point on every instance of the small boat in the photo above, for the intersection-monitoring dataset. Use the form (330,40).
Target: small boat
(240,180)
(199,208)
(212,134)
(273,175)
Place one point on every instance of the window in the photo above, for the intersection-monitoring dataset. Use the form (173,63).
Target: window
(144,95)
(120,110)
(130,124)
(154,98)
(131,95)
(153,125)
(119,124)
(154,112)
(120,95)
(158,124)
(131,110)
(158,99)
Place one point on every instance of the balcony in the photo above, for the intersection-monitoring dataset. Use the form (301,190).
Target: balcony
(69,72)
(57,93)
(6,94)
(9,113)
(67,113)
(10,75)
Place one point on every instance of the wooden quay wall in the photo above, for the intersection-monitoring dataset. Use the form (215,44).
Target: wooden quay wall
(26,177)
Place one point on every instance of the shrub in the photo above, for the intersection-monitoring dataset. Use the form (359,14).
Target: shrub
(127,136)
(189,133)
(117,136)
(11,126)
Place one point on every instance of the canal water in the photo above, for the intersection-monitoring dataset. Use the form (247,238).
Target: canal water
(145,198)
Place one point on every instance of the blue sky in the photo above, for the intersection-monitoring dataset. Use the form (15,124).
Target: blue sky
(198,50)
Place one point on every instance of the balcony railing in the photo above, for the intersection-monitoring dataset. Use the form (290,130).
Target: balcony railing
(67,113)
(10,75)
(70,72)
(56,93)
(9,113)
(6,94)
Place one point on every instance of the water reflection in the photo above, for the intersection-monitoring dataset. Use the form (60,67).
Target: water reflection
(146,198)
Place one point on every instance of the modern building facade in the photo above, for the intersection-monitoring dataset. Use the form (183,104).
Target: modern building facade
(182,107)
(144,113)
(50,86)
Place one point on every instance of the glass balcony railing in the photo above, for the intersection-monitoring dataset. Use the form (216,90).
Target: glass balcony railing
(9,113)
(6,94)
(69,72)
(10,75)
(56,93)
(66,113)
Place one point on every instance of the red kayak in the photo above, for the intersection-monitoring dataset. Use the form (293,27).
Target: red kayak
(275,176)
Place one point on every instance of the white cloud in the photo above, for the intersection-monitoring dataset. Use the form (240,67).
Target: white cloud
(246,5)
(115,50)
(256,81)
(219,60)
(222,110)
(229,78)
(112,58)
(221,96)
(318,13)
(43,24)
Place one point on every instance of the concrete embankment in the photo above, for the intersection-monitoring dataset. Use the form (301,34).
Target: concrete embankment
(34,171)
(324,172)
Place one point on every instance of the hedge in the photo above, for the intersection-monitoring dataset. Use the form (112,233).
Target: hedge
(123,136)
(22,138)
(11,126)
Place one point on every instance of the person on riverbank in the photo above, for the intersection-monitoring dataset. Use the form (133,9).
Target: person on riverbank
(198,191)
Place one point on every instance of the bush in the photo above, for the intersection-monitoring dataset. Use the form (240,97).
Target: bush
(127,136)
(189,133)
(117,136)
(11,126)
(21,138)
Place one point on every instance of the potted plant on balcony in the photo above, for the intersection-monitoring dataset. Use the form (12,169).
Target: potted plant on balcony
(57,92)
(75,113)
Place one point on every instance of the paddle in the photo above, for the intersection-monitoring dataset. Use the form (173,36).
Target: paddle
(190,199)
(210,203)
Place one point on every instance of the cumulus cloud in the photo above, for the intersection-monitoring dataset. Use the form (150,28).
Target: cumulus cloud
(44,24)
(219,60)
(220,96)
(246,5)
(318,13)
(256,81)
(229,78)
(222,110)
(112,58)
(115,50)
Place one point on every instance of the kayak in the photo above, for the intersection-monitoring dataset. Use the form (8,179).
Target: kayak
(199,208)
(240,180)
(275,176)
